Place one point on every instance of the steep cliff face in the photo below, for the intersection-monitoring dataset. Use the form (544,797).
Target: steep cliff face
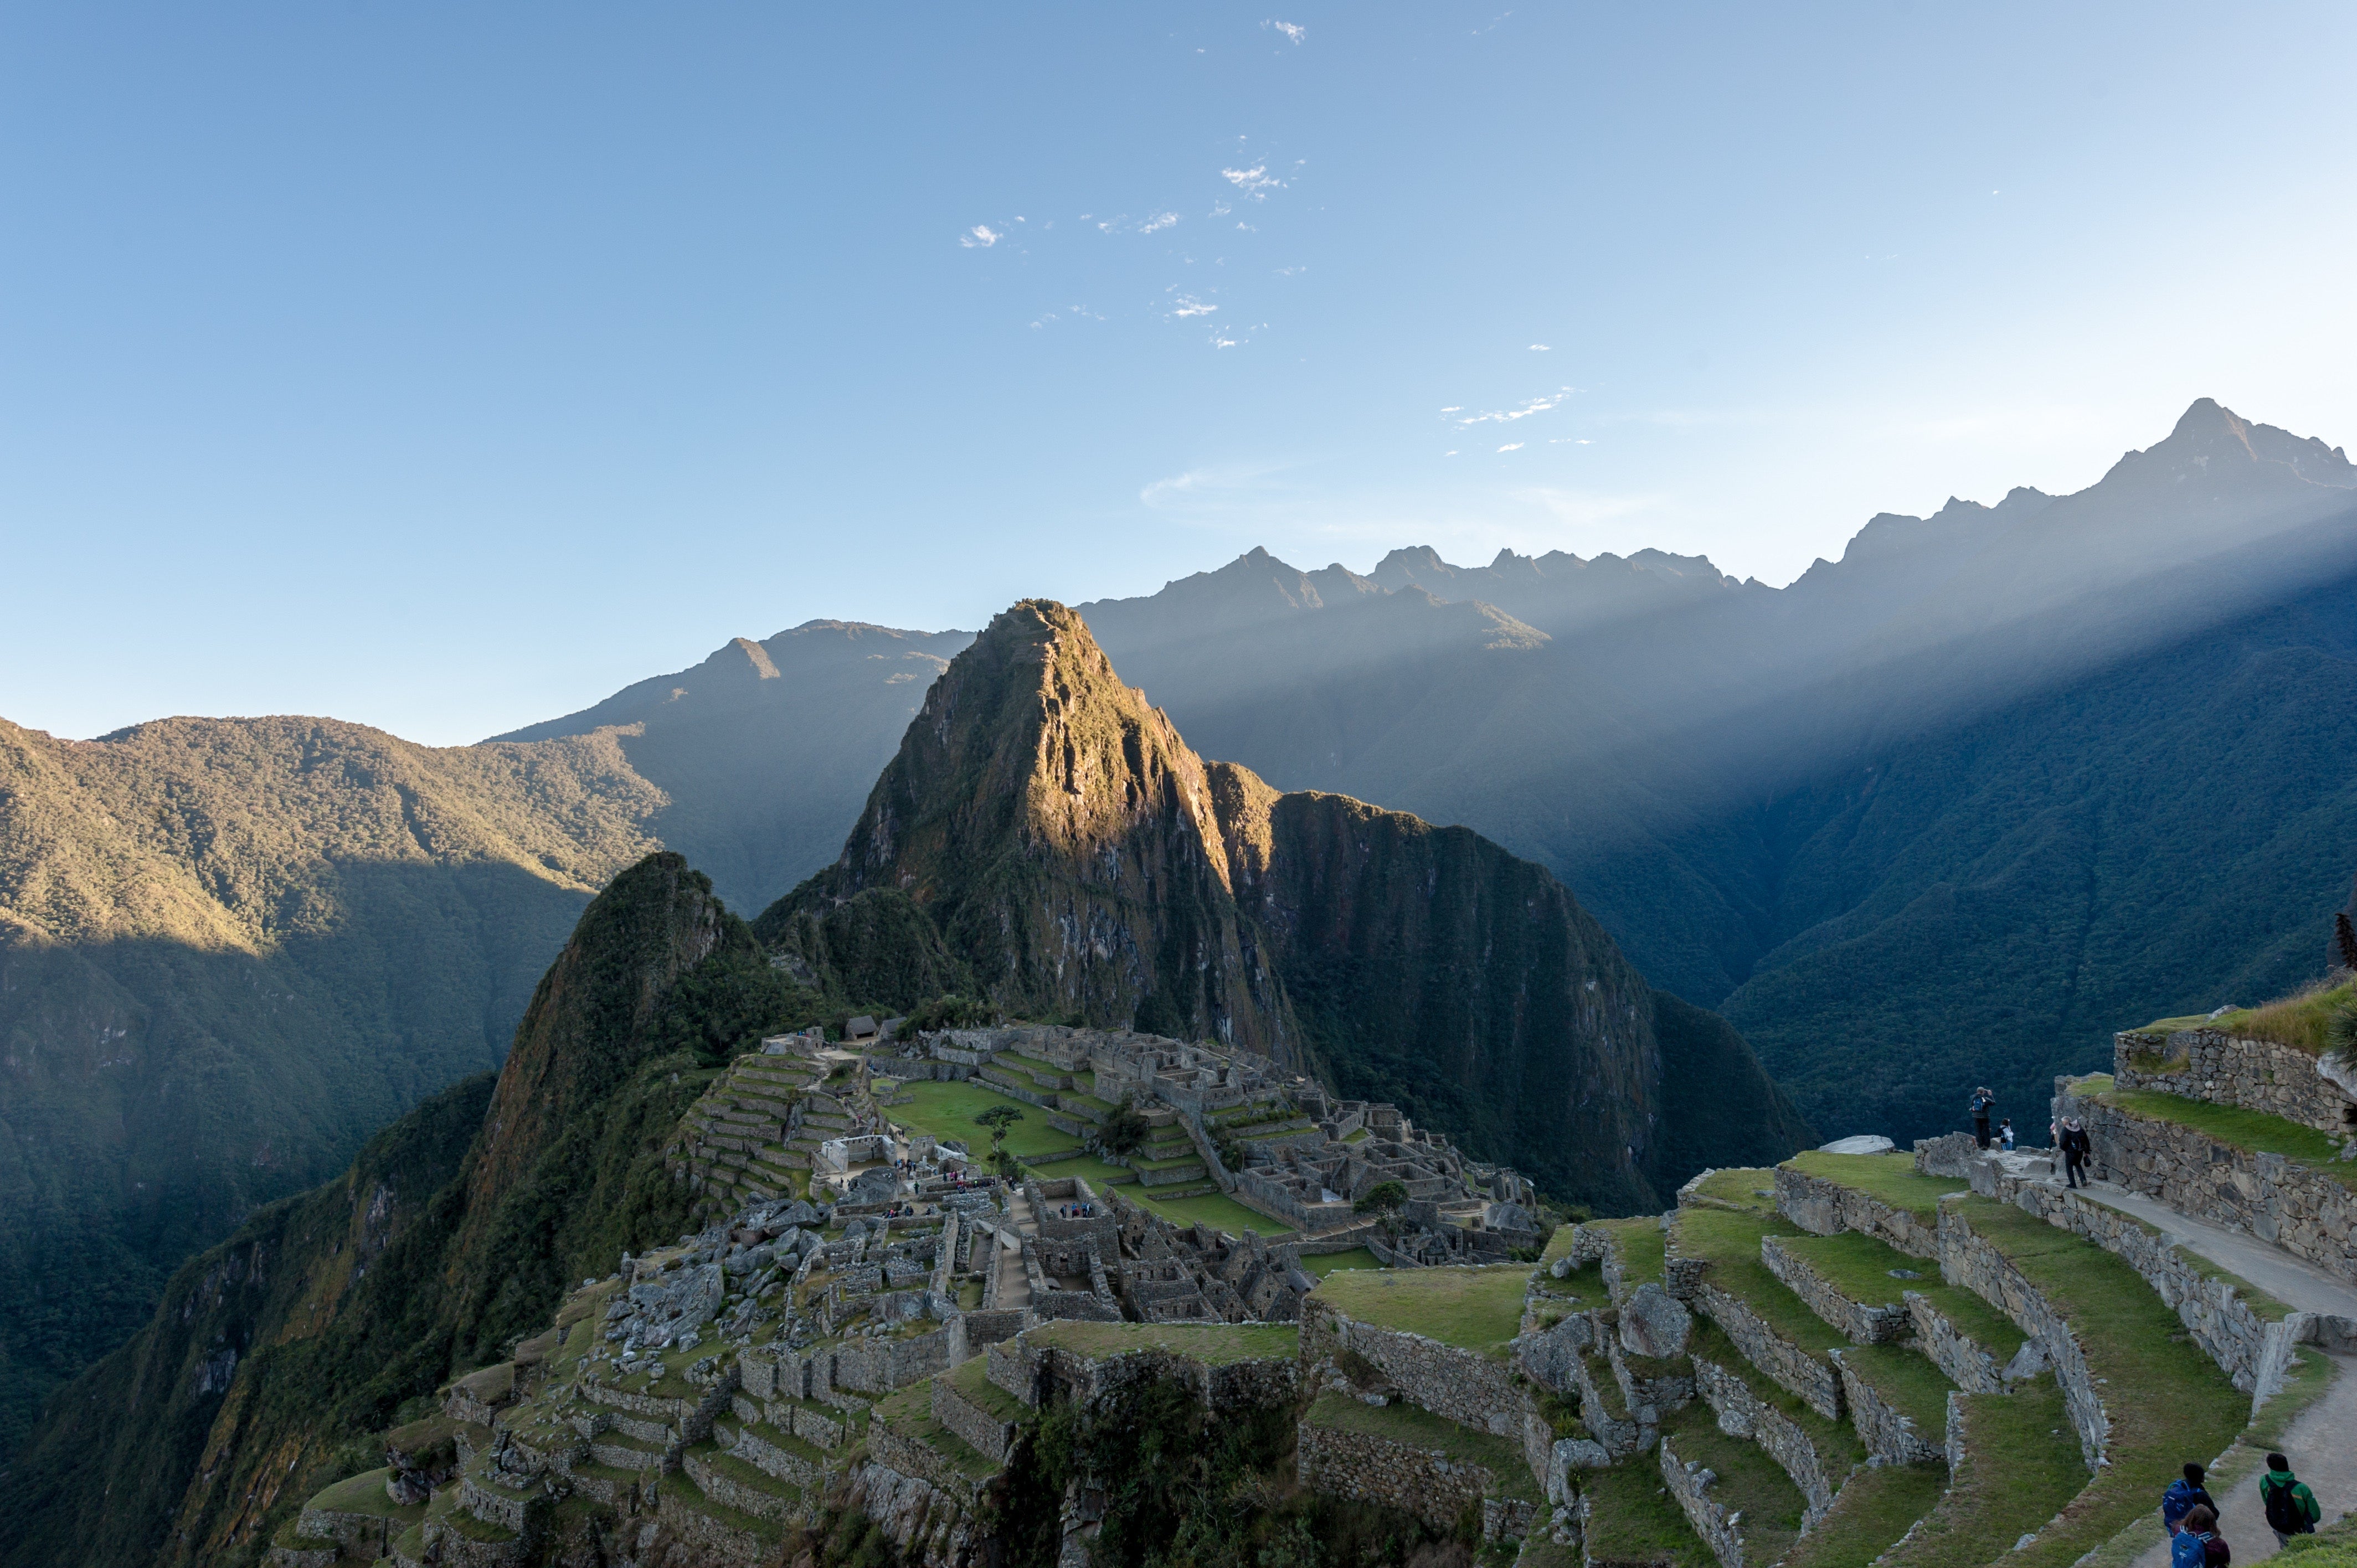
(1430,968)
(455,1232)
(1049,836)
(1060,836)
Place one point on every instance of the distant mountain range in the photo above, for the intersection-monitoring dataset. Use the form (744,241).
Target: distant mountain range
(1946,811)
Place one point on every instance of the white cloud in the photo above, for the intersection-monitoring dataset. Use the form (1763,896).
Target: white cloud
(1508,415)
(1511,446)
(1288,271)
(1541,348)
(1189,306)
(1255,182)
(1159,221)
(1454,408)
(980,237)
(1292,30)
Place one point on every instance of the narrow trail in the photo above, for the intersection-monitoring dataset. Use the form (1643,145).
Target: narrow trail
(2322,1445)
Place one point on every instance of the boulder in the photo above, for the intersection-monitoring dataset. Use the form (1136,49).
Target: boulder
(1863,1144)
(1550,1357)
(1654,1323)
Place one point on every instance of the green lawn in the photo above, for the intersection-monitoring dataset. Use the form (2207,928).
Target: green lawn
(1907,1381)
(1215,1209)
(1320,1264)
(1412,1427)
(948,1110)
(1558,1244)
(1874,1508)
(1748,1481)
(1633,1518)
(1641,1243)
(2166,1399)
(1837,1442)
(2253,1131)
(1891,1177)
(1860,1268)
(1474,1308)
(1214,1344)
(1743,1187)
(365,1494)
(1090,1169)
(1732,1243)
(2022,1466)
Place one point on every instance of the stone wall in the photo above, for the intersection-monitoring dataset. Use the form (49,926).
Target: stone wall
(2227,1070)
(1463,1385)
(715,1541)
(2303,1211)
(1863,1324)
(1742,1414)
(1690,1485)
(1651,1387)
(921,1460)
(1427,1484)
(1960,1359)
(1889,1435)
(1827,1207)
(1949,1155)
(879,1366)
(1969,1261)
(728,1492)
(983,1432)
(1790,1367)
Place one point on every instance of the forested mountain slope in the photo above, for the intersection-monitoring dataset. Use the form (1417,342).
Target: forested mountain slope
(329,1313)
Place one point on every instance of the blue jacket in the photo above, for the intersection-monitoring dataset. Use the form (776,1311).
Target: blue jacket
(2178,1500)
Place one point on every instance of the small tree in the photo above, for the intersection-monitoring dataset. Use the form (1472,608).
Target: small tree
(1383,1200)
(996,1120)
(1125,1132)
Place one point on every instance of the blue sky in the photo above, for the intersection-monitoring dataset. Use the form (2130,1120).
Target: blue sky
(447,367)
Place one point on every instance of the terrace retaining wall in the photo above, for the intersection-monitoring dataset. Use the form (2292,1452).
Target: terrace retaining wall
(1742,1414)
(1889,1435)
(1862,1323)
(1960,1357)
(1827,1207)
(1429,1484)
(1711,1521)
(1792,1368)
(1463,1385)
(1970,1261)
(2228,1069)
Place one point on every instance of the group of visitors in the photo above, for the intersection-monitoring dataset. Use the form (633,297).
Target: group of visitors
(1077,1212)
(2065,1137)
(2191,1516)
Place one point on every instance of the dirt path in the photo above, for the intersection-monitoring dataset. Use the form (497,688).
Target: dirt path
(2322,1445)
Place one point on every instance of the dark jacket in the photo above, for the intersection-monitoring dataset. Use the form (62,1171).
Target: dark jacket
(2076,1144)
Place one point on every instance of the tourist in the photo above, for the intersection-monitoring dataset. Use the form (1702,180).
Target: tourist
(1981,1104)
(2077,1149)
(2005,1134)
(2183,1495)
(2291,1506)
(2196,1544)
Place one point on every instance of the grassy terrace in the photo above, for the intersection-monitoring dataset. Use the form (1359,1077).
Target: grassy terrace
(1214,1344)
(1420,1429)
(910,1413)
(2297,1020)
(1633,1518)
(1215,1209)
(1090,1169)
(948,1110)
(2022,1466)
(1874,1508)
(1731,1243)
(1558,1244)
(1907,1381)
(1473,1308)
(2254,1132)
(1891,1177)
(1642,1245)
(971,1378)
(1748,1480)
(2165,1398)
(1318,1265)
(1860,1268)
(1751,1186)
(1836,1442)
(690,1496)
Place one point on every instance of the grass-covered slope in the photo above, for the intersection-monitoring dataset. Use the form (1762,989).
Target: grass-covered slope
(501,1200)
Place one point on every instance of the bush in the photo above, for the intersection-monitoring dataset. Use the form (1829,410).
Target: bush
(1383,1197)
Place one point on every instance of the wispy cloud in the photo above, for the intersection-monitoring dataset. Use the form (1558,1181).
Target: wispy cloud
(1188,305)
(1542,347)
(1288,271)
(1512,447)
(981,237)
(1292,30)
(1255,182)
(1159,221)
(1508,415)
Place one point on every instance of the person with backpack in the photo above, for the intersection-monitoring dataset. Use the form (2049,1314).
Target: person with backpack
(2183,1495)
(2291,1506)
(1982,1101)
(2198,1544)
(2005,1134)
